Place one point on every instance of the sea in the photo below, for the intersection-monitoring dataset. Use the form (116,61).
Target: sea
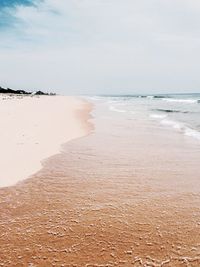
(180,112)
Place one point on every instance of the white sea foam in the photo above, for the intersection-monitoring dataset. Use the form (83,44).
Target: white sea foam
(112,108)
(176,125)
(158,116)
(181,127)
(111,101)
(188,101)
(192,133)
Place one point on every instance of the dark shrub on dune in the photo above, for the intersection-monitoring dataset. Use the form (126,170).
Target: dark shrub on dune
(21,92)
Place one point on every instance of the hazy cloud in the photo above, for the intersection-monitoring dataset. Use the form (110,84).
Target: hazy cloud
(101,46)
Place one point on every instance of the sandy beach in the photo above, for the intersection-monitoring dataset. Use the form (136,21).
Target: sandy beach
(127,194)
(33,129)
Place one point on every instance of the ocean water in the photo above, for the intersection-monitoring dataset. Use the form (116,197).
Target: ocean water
(180,112)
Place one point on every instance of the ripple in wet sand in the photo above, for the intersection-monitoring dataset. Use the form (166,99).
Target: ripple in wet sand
(104,201)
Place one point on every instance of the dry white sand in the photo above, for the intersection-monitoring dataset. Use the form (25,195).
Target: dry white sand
(32,129)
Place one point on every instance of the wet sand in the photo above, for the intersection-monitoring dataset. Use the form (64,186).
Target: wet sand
(125,195)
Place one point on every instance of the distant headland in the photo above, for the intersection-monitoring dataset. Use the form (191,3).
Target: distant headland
(22,92)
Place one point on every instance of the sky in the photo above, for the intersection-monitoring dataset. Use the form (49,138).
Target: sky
(100,46)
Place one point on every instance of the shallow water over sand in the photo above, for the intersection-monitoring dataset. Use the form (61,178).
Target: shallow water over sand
(125,195)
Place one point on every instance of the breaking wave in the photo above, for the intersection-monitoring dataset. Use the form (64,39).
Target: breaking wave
(181,127)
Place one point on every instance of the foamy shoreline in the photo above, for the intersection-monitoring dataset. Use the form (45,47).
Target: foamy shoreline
(33,129)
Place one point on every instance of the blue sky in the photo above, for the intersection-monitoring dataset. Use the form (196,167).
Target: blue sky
(100,46)
(4,3)
(6,19)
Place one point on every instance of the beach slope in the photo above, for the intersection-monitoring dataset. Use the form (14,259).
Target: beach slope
(32,129)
